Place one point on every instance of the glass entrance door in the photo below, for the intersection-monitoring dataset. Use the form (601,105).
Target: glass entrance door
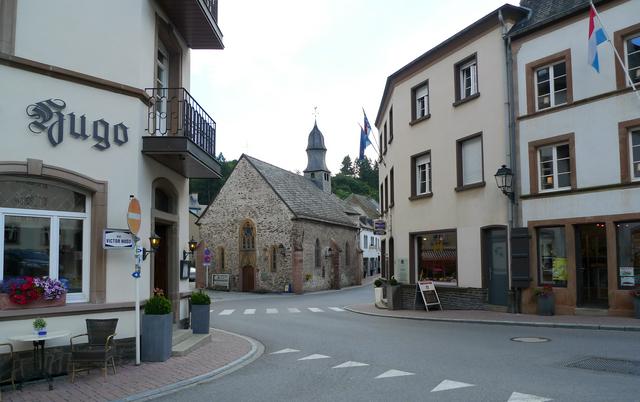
(495,253)
(591,265)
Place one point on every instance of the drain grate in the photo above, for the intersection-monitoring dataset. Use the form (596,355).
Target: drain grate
(607,365)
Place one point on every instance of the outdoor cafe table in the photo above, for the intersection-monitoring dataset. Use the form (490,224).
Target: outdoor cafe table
(38,345)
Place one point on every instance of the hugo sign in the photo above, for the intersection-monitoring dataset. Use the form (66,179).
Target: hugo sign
(48,117)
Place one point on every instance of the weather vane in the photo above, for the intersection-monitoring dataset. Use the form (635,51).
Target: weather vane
(315,112)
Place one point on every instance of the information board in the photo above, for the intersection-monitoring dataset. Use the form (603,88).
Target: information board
(221,280)
(427,290)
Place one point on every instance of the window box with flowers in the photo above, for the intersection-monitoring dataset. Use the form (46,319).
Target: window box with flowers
(32,292)
(545,300)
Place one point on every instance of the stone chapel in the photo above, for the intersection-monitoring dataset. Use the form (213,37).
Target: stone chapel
(273,230)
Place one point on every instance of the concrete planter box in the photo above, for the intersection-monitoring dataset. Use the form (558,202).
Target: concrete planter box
(377,292)
(200,318)
(546,305)
(393,297)
(155,342)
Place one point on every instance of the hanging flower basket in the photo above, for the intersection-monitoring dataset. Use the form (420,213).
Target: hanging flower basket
(29,292)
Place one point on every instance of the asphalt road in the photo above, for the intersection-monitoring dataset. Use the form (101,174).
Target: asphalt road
(386,359)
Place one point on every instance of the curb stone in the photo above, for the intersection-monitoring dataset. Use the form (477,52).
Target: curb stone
(257,349)
(506,323)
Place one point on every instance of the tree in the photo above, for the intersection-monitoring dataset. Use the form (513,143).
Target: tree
(347,167)
(207,189)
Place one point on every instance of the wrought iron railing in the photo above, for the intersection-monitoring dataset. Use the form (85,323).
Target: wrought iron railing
(212,5)
(173,111)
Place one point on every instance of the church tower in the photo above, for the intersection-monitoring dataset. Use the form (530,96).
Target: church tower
(316,169)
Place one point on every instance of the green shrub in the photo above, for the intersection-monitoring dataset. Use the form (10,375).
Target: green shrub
(393,281)
(377,283)
(39,323)
(157,304)
(200,298)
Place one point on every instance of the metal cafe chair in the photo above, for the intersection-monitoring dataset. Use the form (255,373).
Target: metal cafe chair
(99,350)
(7,366)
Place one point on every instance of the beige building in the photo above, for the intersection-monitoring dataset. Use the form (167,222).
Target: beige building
(443,134)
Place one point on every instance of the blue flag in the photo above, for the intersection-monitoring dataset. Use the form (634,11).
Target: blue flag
(367,126)
(364,142)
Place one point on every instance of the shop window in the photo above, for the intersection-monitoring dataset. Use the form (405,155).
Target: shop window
(628,243)
(552,256)
(45,233)
(438,256)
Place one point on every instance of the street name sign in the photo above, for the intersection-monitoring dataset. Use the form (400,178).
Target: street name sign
(116,239)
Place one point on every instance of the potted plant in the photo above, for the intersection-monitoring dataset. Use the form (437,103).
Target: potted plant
(393,294)
(200,312)
(545,300)
(377,291)
(156,328)
(40,327)
(635,294)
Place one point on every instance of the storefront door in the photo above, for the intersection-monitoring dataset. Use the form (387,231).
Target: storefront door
(495,253)
(591,265)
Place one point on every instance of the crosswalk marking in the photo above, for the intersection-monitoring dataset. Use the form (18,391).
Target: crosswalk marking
(315,357)
(287,350)
(448,384)
(518,397)
(315,310)
(350,364)
(394,373)
(250,311)
(336,309)
(293,310)
(227,312)
(272,311)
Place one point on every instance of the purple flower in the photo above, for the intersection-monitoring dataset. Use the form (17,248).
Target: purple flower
(52,289)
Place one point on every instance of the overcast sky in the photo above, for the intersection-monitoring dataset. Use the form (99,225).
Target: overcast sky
(282,58)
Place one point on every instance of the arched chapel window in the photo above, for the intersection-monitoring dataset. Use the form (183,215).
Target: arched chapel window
(248,236)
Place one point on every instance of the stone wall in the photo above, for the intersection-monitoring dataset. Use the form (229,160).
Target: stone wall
(451,298)
(246,195)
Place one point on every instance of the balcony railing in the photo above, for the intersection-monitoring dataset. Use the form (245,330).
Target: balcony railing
(174,112)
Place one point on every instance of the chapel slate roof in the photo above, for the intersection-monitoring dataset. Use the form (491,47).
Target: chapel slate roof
(302,196)
(546,11)
(368,205)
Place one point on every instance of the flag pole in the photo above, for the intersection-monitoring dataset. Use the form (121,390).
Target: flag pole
(615,51)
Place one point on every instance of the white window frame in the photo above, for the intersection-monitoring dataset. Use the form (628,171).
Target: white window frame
(552,91)
(424,160)
(636,70)
(633,176)
(554,151)
(472,66)
(421,93)
(54,242)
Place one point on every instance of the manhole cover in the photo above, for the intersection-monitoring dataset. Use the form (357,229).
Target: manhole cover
(530,339)
(607,365)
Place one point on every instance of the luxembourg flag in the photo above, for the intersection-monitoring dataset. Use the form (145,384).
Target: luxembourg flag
(596,37)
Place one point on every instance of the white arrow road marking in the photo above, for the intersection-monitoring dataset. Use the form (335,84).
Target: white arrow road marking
(211,311)
(394,373)
(285,351)
(315,310)
(293,310)
(227,312)
(250,311)
(518,397)
(272,311)
(448,384)
(350,364)
(314,357)
(336,309)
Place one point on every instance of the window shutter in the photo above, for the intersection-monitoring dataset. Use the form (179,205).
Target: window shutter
(520,273)
(472,161)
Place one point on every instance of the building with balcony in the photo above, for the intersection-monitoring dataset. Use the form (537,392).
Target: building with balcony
(96,108)
(578,139)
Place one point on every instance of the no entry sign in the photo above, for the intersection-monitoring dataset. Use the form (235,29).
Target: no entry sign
(134,216)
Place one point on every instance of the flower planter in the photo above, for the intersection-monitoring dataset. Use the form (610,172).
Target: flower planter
(200,318)
(155,342)
(377,294)
(7,304)
(393,297)
(546,304)
(636,306)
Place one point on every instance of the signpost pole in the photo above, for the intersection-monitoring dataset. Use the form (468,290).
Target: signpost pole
(137,281)
(133,221)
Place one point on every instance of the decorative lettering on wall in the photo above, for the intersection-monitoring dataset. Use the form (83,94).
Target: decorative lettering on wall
(48,117)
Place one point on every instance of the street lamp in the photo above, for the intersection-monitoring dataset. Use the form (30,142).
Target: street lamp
(504,181)
(154,241)
(192,247)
